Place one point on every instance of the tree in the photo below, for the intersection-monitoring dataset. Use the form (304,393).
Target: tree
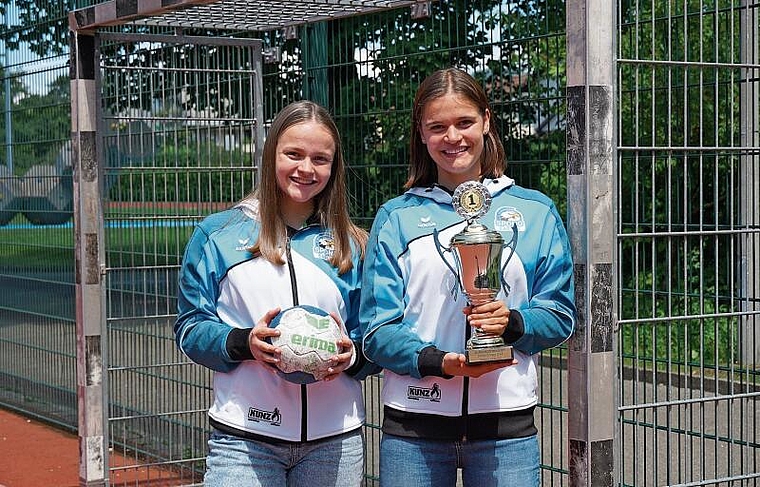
(41,24)
(41,125)
(400,52)
(671,182)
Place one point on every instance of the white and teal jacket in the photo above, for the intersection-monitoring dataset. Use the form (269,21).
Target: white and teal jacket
(410,317)
(224,290)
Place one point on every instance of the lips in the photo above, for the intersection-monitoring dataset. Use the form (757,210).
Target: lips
(303,182)
(454,152)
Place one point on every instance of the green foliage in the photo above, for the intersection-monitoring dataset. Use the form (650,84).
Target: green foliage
(517,50)
(41,127)
(40,24)
(523,76)
(682,190)
(41,124)
(197,171)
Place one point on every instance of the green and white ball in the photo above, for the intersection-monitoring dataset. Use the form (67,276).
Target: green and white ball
(308,337)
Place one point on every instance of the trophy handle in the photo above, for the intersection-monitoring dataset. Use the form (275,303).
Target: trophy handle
(512,246)
(441,249)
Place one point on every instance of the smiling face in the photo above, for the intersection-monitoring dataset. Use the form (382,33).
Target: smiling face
(303,165)
(453,130)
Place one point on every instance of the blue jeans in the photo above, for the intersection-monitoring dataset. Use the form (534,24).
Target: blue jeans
(235,462)
(484,463)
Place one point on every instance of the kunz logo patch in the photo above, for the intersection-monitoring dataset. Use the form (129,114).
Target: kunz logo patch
(260,416)
(324,246)
(506,217)
(432,394)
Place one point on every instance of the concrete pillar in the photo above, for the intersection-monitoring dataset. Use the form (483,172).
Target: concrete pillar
(592,198)
(90,263)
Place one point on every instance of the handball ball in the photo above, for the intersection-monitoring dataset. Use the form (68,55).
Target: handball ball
(307,340)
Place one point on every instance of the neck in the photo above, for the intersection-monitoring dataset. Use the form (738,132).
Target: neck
(295,215)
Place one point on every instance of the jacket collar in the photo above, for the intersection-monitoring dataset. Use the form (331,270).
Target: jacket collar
(440,194)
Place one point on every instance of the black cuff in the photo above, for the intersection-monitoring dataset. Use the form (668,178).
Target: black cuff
(430,362)
(361,360)
(515,328)
(237,344)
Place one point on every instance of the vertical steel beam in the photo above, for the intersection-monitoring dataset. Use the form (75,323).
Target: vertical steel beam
(591,193)
(258,111)
(90,262)
(314,44)
(8,101)
(749,272)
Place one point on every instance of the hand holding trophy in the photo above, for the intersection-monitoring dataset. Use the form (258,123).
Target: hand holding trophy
(477,254)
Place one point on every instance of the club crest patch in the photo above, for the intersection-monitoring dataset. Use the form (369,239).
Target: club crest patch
(506,217)
(324,246)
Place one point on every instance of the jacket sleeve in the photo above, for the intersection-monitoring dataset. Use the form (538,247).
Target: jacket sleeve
(199,332)
(549,315)
(361,368)
(389,341)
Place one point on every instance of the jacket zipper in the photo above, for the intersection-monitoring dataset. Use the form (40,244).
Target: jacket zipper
(465,387)
(294,291)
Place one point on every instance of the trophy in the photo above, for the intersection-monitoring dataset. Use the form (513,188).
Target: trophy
(477,254)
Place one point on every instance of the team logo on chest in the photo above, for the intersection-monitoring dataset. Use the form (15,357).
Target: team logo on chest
(508,216)
(242,244)
(426,222)
(432,393)
(261,416)
(324,246)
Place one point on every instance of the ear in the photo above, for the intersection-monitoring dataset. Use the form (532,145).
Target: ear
(486,121)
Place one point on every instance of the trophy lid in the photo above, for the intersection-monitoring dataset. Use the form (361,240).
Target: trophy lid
(471,200)
(476,233)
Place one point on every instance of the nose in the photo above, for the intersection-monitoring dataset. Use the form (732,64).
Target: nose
(451,135)
(306,165)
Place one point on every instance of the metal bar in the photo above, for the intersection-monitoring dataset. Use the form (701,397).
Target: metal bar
(690,64)
(698,400)
(181,39)
(7,101)
(667,319)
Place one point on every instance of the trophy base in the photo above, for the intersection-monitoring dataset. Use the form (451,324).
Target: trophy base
(500,353)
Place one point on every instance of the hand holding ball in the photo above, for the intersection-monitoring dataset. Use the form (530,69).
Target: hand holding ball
(307,340)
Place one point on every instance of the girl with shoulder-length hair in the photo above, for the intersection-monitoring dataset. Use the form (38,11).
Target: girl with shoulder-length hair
(289,243)
(330,206)
(447,413)
(422,168)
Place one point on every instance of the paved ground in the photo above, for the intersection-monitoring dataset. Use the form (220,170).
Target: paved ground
(36,455)
(33,454)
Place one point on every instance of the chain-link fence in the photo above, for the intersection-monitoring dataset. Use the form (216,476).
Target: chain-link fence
(688,242)
(177,122)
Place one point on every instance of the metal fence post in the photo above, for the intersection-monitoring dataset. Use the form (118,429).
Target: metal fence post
(750,190)
(90,263)
(591,149)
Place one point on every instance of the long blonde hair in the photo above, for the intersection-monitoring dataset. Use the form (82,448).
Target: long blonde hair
(422,168)
(330,205)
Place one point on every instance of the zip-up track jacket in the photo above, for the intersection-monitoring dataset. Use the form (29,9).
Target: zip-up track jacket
(410,316)
(225,290)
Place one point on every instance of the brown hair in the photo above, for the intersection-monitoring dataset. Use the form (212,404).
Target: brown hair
(330,205)
(422,168)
